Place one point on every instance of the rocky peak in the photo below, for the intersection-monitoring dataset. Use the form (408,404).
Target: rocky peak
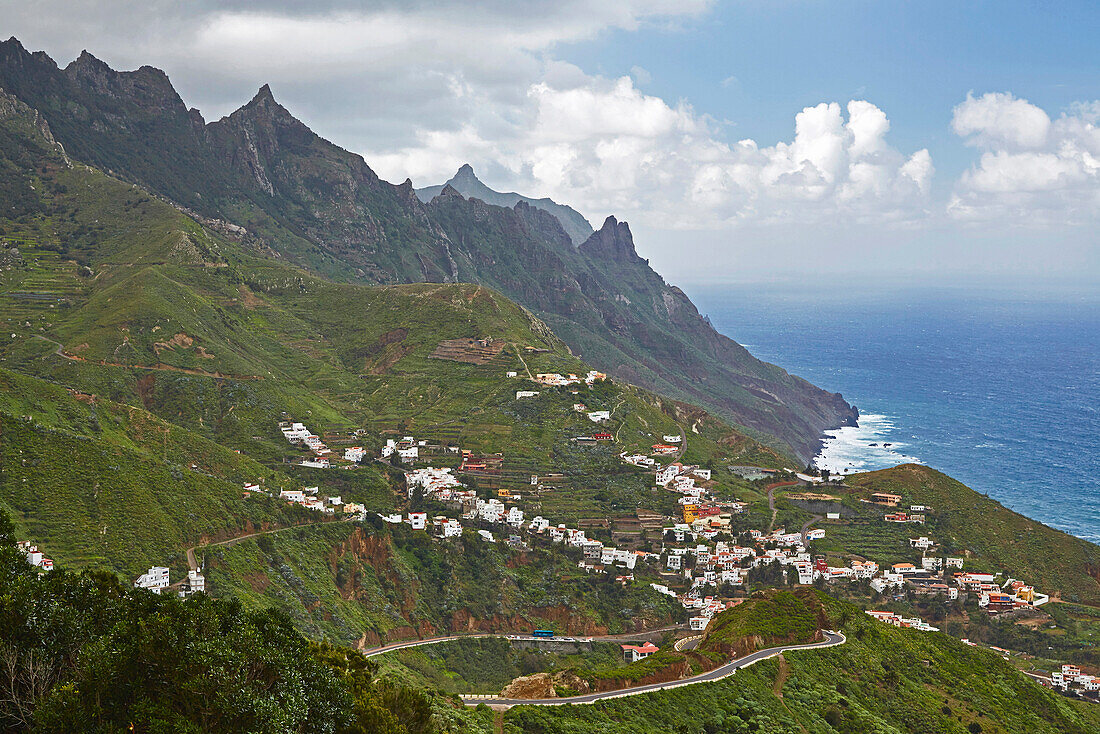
(450,192)
(263,112)
(612,241)
(146,89)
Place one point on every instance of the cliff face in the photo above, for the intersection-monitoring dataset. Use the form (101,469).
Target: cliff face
(300,198)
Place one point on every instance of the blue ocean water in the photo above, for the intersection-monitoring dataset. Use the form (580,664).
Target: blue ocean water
(1000,391)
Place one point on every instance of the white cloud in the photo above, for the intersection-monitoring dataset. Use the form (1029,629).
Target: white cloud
(1032,170)
(1000,119)
(421,87)
(605,146)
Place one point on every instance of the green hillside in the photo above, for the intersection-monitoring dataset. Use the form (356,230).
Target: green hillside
(966,522)
(884,679)
(266,181)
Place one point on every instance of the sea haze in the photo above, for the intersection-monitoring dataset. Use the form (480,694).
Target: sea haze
(1000,391)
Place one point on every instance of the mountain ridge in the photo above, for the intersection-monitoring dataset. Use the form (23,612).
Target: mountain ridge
(306,201)
(466,182)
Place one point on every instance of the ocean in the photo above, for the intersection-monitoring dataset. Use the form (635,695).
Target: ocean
(1000,391)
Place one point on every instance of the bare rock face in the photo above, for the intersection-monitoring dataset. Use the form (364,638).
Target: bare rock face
(545,685)
(539,685)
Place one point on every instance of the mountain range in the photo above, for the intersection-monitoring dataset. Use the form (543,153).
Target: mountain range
(263,179)
(466,182)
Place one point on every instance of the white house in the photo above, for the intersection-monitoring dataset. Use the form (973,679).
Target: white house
(815,534)
(520,394)
(292,495)
(195,583)
(354,453)
(486,536)
(677,438)
(315,463)
(418,520)
(599,415)
(155,579)
(698,624)
(665,475)
(634,653)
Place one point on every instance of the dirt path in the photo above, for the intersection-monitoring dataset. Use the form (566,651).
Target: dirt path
(193,564)
(523,362)
(60,352)
(771,501)
(771,506)
(781,677)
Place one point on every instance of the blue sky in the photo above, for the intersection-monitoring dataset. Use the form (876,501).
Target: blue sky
(755,140)
(915,60)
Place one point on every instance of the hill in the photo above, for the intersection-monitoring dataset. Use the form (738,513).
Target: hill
(466,182)
(766,619)
(967,522)
(263,179)
(882,679)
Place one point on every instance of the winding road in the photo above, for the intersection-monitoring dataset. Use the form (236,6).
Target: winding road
(722,671)
(394,646)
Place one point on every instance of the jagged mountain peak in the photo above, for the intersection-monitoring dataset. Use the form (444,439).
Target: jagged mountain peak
(613,241)
(263,107)
(466,182)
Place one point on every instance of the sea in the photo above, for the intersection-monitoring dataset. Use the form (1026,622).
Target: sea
(996,387)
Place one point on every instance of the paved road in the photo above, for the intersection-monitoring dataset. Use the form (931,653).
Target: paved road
(723,671)
(393,646)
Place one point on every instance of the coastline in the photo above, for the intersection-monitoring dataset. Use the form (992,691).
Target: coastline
(869,445)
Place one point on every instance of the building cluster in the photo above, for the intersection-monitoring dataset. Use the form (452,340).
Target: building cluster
(1071,677)
(553,379)
(309,498)
(406,449)
(439,484)
(899,621)
(34,556)
(157,579)
(299,435)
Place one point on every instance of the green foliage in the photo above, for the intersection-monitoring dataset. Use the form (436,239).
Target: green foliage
(768,618)
(883,679)
(83,653)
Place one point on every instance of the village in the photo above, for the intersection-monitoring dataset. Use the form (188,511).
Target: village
(702,558)
(699,554)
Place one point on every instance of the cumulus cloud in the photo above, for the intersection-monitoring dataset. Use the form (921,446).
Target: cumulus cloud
(1032,170)
(420,87)
(605,145)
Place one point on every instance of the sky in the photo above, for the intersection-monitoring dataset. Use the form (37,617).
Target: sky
(744,141)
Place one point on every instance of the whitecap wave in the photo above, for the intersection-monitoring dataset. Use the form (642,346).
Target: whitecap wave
(861,448)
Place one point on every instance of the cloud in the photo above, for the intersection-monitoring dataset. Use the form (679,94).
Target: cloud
(1001,119)
(1032,170)
(605,145)
(420,87)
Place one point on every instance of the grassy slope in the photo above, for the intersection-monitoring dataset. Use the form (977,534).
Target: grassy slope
(349,584)
(101,484)
(768,618)
(883,679)
(964,520)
